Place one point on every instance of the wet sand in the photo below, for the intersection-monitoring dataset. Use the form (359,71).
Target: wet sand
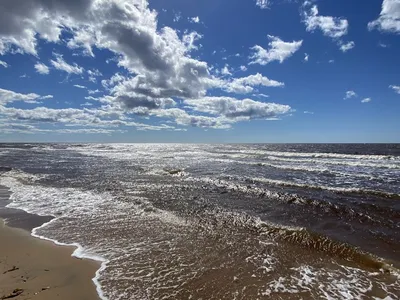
(31,268)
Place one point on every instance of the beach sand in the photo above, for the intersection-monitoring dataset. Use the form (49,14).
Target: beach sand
(31,268)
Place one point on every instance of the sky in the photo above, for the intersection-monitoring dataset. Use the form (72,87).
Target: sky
(209,71)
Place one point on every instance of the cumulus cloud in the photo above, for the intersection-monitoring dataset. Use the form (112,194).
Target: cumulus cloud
(278,51)
(42,68)
(74,117)
(366,100)
(344,47)
(350,94)
(7,96)
(190,39)
(246,85)
(79,86)
(306,57)
(10,128)
(389,19)
(263,4)
(22,22)
(238,110)
(395,88)
(60,64)
(3,64)
(181,117)
(333,27)
(243,68)
(159,69)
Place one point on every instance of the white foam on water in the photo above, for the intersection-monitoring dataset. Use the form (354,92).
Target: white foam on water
(79,252)
(28,198)
(316,155)
(321,187)
(349,162)
(336,283)
(4,152)
(73,209)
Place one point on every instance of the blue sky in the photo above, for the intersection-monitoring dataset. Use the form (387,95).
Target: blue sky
(200,71)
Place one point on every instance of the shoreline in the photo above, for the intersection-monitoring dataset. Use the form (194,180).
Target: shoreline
(35,266)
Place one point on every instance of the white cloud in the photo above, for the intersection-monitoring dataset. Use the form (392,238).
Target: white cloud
(246,85)
(74,117)
(366,100)
(261,95)
(382,45)
(331,61)
(350,94)
(239,110)
(42,68)
(158,67)
(396,88)
(83,39)
(195,19)
(79,86)
(263,4)
(93,74)
(7,96)
(62,65)
(243,68)
(190,39)
(3,64)
(91,92)
(116,78)
(177,17)
(344,47)
(306,57)
(225,70)
(92,98)
(278,50)
(47,97)
(389,19)
(181,117)
(333,27)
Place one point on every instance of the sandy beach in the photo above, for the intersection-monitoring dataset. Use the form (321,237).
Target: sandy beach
(31,268)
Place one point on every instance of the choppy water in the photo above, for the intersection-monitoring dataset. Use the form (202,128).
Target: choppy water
(177,221)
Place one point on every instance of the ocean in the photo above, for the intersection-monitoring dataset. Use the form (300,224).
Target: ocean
(234,221)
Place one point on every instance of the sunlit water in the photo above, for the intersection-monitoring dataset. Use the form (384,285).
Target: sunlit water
(174,221)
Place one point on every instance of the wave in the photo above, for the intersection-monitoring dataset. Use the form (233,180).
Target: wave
(80,252)
(318,242)
(295,199)
(316,155)
(218,219)
(378,164)
(259,191)
(302,168)
(339,190)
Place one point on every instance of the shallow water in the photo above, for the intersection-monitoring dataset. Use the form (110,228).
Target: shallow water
(178,221)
